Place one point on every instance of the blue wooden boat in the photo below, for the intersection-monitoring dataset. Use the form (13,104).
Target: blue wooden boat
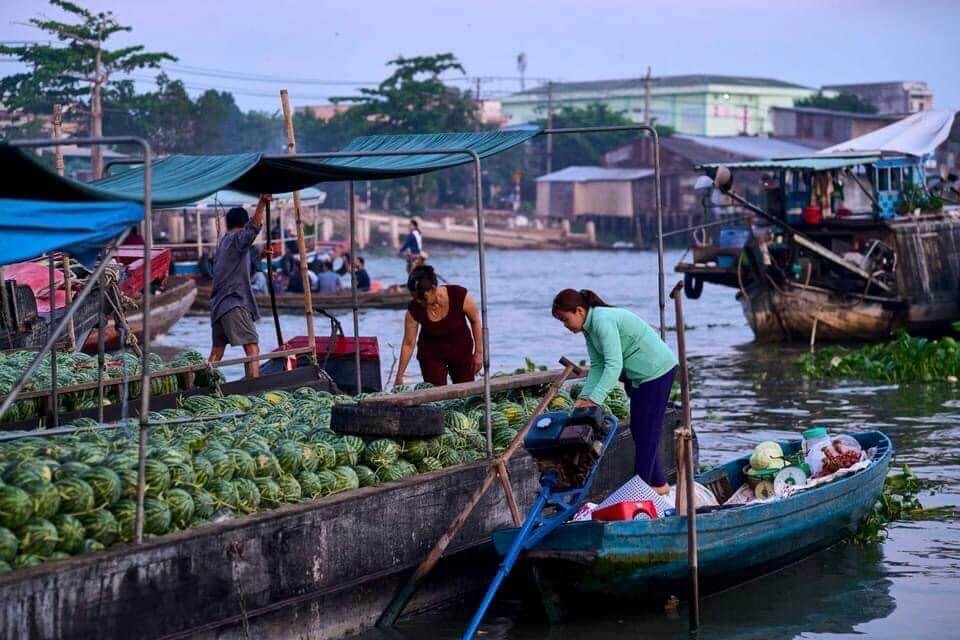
(593,564)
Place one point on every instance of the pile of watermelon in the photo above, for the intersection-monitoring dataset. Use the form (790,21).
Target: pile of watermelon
(80,368)
(235,455)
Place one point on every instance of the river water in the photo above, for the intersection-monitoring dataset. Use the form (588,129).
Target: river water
(908,587)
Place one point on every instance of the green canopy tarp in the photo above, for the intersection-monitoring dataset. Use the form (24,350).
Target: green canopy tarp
(180,179)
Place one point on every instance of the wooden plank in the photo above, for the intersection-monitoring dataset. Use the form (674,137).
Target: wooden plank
(467,389)
(823,252)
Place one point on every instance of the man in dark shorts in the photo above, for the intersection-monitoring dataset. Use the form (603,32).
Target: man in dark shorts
(233,309)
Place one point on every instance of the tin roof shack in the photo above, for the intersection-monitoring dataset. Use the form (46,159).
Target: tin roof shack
(610,198)
(820,128)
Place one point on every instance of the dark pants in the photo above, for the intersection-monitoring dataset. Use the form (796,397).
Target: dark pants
(648,403)
(439,359)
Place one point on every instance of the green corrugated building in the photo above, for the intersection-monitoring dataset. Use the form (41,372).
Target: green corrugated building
(709,105)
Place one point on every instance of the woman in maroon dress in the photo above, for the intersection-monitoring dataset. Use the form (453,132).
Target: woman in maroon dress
(448,322)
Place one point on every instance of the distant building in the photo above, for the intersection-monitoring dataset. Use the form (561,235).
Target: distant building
(890,98)
(710,105)
(824,127)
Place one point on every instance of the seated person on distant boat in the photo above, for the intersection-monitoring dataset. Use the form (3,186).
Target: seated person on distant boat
(328,282)
(448,322)
(363,278)
(622,346)
(233,309)
(294,280)
(258,279)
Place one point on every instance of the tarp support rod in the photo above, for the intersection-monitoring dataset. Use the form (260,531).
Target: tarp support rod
(657,197)
(355,305)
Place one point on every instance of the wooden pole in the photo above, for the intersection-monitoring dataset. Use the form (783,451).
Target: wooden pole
(301,245)
(686,500)
(270,288)
(57,134)
(403,596)
(58,165)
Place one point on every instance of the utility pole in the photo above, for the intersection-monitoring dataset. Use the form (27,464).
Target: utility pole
(549,126)
(646,97)
(476,125)
(522,68)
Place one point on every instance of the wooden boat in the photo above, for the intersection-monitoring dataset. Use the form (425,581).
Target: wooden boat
(589,564)
(390,298)
(167,306)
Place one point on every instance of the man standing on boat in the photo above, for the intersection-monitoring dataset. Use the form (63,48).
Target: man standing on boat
(413,247)
(233,309)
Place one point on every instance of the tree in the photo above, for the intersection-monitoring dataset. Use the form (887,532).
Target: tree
(82,66)
(841,102)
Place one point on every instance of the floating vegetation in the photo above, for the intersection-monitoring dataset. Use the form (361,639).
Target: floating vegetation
(899,500)
(906,358)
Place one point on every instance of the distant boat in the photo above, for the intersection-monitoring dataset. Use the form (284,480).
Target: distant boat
(390,298)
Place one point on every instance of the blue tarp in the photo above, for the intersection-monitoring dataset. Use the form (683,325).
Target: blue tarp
(29,228)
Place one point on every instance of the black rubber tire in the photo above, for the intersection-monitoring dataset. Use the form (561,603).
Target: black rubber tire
(692,286)
(384,420)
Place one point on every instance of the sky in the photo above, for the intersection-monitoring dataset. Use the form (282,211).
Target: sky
(318,49)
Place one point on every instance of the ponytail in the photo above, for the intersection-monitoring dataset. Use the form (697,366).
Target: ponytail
(569,299)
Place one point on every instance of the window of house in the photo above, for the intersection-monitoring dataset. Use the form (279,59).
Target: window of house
(883,179)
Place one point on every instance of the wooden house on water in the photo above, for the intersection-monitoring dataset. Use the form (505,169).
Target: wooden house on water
(847,244)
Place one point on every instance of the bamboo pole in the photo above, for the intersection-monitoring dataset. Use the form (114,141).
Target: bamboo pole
(298,216)
(57,134)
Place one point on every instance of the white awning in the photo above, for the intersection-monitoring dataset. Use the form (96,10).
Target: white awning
(917,135)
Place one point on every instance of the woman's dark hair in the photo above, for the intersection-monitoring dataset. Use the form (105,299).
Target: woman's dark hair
(416,225)
(569,299)
(421,280)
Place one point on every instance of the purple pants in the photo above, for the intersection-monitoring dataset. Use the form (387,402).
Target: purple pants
(648,403)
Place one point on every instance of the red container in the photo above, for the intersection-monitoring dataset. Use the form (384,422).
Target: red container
(625,511)
(369,346)
(812,215)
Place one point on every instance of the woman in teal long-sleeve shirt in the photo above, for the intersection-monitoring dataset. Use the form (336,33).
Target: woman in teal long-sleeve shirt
(623,347)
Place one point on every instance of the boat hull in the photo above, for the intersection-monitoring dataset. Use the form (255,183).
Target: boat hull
(166,308)
(588,564)
(293,302)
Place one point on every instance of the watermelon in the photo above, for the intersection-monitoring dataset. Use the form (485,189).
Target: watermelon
(416,450)
(223,467)
(156,517)
(125,513)
(346,456)
(472,455)
(128,481)
(156,476)
(356,445)
(407,467)
(513,412)
(560,402)
(181,507)
(90,545)
(5,567)
(503,438)
(391,473)
(270,493)
(291,489)
(182,475)
(248,496)
(76,496)
(38,537)
(25,472)
(204,505)
(459,423)
(326,455)
(70,532)
(123,459)
(46,498)
(71,469)
(428,464)
(290,456)
(311,486)
(100,525)
(9,544)
(26,560)
(365,475)
(450,458)
(169,455)
(265,464)
(106,484)
(380,453)
(89,453)
(243,463)
(346,479)
(192,440)
(202,470)
(224,493)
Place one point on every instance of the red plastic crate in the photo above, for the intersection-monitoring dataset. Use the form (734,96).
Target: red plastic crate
(369,346)
(625,511)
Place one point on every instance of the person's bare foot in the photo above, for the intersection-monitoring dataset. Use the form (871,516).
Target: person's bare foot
(664,490)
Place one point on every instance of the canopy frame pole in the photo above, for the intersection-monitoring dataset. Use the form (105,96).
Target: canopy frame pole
(270,288)
(95,276)
(298,218)
(661,287)
(52,298)
(145,339)
(354,303)
(101,346)
(475,157)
